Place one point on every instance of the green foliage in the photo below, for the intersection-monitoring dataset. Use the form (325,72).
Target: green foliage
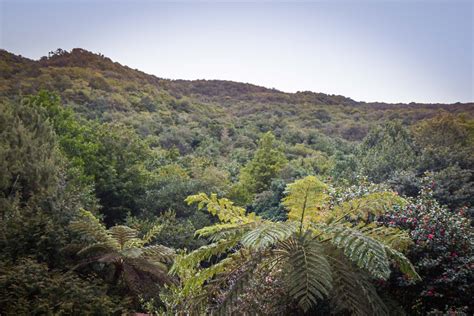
(302,251)
(30,288)
(385,150)
(442,252)
(139,264)
(131,147)
(309,277)
(257,175)
(305,200)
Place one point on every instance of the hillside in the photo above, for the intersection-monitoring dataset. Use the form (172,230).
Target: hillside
(124,193)
(96,86)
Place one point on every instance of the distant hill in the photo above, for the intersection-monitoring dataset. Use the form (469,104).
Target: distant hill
(96,86)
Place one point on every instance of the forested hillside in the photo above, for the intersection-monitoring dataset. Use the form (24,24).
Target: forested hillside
(123,192)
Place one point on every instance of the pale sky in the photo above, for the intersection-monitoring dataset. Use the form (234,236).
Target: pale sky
(392,51)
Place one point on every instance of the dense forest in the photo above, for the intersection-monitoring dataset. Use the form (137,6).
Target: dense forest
(123,193)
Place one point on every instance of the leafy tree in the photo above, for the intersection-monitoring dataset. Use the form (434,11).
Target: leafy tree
(385,150)
(447,143)
(257,175)
(325,252)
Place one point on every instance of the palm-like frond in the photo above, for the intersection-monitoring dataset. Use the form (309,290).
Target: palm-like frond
(392,237)
(224,231)
(192,260)
(223,208)
(309,278)
(361,208)
(352,290)
(240,278)
(366,252)
(305,200)
(125,236)
(88,225)
(151,234)
(267,234)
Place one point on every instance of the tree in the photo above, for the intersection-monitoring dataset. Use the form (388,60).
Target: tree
(257,175)
(385,150)
(135,261)
(324,250)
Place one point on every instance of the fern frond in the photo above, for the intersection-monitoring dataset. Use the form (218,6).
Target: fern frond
(309,278)
(125,236)
(158,253)
(199,278)
(373,204)
(224,231)
(151,234)
(352,290)
(305,199)
(223,208)
(403,264)
(268,233)
(246,270)
(204,253)
(89,226)
(94,248)
(392,237)
(367,253)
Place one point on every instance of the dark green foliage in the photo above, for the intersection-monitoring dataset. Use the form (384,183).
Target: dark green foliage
(442,253)
(30,288)
(386,150)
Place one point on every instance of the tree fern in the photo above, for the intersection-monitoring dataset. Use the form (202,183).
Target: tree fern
(305,247)
(120,248)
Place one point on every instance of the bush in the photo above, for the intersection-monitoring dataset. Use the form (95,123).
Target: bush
(443,254)
(29,288)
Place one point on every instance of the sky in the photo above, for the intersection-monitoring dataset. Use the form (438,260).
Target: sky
(390,51)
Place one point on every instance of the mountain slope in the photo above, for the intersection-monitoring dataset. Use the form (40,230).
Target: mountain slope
(97,87)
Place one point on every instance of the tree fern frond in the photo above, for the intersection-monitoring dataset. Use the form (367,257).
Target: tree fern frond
(267,234)
(352,290)
(224,231)
(366,252)
(392,237)
(305,199)
(244,275)
(89,226)
(151,234)
(193,259)
(199,278)
(372,204)
(309,278)
(403,263)
(124,235)
(158,271)
(96,247)
(158,253)
(223,208)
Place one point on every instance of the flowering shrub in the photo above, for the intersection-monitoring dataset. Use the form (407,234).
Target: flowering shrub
(443,255)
